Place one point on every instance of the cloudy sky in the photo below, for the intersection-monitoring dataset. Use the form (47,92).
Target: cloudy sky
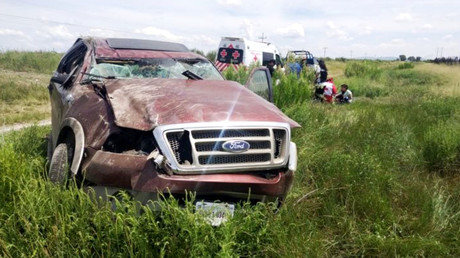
(357,28)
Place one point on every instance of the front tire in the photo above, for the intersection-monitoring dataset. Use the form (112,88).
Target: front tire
(59,171)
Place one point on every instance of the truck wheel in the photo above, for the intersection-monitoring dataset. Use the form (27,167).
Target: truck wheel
(59,171)
(49,151)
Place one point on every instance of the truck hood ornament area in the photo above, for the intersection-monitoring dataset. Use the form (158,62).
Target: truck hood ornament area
(236,146)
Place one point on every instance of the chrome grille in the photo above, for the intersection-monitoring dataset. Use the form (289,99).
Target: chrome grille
(217,146)
(200,149)
(234,159)
(230,133)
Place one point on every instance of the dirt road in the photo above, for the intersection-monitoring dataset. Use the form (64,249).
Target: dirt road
(15,127)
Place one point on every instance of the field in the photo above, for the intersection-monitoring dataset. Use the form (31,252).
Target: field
(379,177)
(24,77)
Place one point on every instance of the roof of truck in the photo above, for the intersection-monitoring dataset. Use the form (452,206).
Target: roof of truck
(138,48)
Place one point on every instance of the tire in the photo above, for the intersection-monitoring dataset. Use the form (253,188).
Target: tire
(49,151)
(59,171)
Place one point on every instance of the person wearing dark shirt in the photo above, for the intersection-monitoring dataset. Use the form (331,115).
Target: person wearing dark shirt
(321,73)
(271,66)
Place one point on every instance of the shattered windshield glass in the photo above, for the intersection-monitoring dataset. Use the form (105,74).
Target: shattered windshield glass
(166,68)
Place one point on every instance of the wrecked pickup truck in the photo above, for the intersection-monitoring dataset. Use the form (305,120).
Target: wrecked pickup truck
(148,117)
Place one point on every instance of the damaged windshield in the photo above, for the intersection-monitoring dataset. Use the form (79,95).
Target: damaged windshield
(166,68)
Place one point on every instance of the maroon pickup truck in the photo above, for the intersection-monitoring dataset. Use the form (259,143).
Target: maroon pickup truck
(149,117)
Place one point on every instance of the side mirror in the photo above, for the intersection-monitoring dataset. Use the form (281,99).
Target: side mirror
(64,79)
(59,78)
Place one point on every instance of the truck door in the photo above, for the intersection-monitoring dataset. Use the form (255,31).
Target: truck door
(61,84)
(260,82)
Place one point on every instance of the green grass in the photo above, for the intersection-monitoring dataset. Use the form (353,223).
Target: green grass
(24,97)
(39,62)
(24,77)
(382,173)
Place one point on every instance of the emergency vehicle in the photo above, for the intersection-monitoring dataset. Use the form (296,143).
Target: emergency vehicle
(240,51)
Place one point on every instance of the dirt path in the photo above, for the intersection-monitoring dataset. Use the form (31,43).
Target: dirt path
(15,127)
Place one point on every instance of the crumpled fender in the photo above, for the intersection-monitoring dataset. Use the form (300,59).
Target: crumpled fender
(79,134)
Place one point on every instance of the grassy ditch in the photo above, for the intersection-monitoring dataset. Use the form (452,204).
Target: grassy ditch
(378,177)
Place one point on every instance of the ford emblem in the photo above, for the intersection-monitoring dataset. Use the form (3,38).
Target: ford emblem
(236,146)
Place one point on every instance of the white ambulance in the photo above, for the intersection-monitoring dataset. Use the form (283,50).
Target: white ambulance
(240,51)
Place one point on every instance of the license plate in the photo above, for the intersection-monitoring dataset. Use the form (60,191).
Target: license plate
(216,213)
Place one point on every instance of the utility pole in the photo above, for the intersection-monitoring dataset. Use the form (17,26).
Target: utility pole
(351,54)
(263,37)
(442,48)
(325,48)
(437,52)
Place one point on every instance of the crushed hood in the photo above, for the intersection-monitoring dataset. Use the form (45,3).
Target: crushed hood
(144,104)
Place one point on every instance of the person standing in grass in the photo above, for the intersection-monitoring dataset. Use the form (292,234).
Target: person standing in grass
(295,67)
(321,78)
(271,66)
(345,95)
(321,72)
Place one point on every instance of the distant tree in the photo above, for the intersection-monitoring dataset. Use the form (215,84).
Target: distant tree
(418,59)
(211,55)
(411,58)
(402,58)
(199,52)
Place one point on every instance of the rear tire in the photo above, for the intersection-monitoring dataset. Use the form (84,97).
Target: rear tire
(59,171)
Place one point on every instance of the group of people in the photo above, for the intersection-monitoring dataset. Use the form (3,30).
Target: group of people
(325,89)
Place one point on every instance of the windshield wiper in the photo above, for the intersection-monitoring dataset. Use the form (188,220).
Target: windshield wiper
(96,77)
(191,75)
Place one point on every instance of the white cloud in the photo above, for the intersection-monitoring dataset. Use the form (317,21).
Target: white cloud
(11,32)
(247,29)
(404,17)
(294,30)
(159,33)
(177,21)
(204,40)
(230,2)
(335,31)
(427,26)
(103,33)
(367,30)
(61,31)
(448,36)
(58,45)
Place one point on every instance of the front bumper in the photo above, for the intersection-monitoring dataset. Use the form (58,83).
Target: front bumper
(136,173)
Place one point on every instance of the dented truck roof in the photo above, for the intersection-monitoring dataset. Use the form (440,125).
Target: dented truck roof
(138,48)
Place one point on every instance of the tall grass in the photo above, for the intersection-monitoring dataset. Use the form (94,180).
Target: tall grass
(375,178)
(376,79)
(40,62)
(13,91)
(24,97)
(288,89)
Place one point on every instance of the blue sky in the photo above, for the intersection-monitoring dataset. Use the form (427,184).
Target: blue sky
(356,28)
